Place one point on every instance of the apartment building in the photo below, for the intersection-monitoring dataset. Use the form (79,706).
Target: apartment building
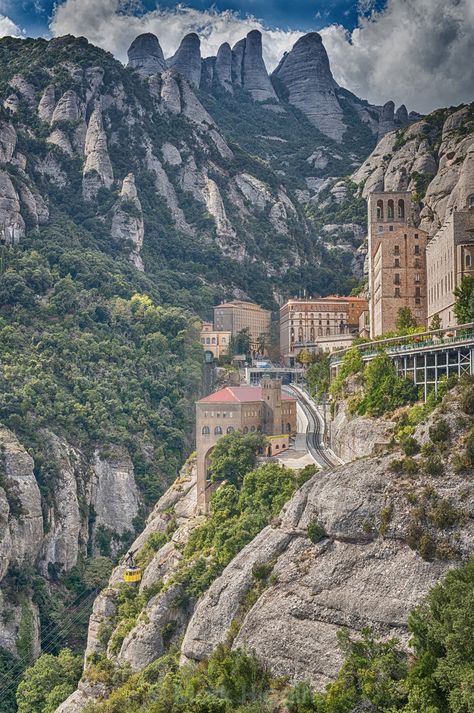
(449,258)
(235,316)
(397,262)
(324,323)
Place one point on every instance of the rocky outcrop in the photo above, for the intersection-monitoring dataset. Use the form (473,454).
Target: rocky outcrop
(11,220)
(8,141)
(187,59)
(67,108)
(127,220)
(391,120)
(215,206)
(357,437)
(98,170)
(255,78)
(47,104)
(238,51)
(352,578)
(165,189)
(423,158)
(306,76)
(146,56)
(223,68)
(170,93)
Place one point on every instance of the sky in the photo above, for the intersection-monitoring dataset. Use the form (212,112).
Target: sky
(416,52)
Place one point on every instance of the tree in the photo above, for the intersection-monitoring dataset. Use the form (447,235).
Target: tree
(384,389)
(262,344)
(318,376)
(49,682)
(305,357)
(436,323)
(235,455)
(464,307)
(405,320)
(240,343)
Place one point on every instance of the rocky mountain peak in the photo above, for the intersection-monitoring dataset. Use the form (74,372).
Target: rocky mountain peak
(306,75)
(223,67)
(255,78)
(145,55)
(187,59)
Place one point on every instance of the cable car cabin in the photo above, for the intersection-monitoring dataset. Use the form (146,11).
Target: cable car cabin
(132,575)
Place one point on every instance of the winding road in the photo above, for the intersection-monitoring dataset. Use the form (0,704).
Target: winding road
(323,456)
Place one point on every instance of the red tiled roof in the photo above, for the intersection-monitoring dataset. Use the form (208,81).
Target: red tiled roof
(238,394)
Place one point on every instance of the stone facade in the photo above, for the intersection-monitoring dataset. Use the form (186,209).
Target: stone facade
(325,324)
(449,258)
(238,315)
(242,408)
(397,262)
(214,343)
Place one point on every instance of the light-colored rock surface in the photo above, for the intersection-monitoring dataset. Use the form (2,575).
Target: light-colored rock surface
(11,220)
(114,492)
(165,189)
(187,59)
(255,191)
(67,108)
(146,56)
(97,167)
(223,67)
(216,208)
(8,140)
(306,74)
(171,154)
(358,437)
(127,220)
(25,89)
(170,94)
(255,78)
(59,138)
(47,104)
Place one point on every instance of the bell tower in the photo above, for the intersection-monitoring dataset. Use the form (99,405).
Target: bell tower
(271,397)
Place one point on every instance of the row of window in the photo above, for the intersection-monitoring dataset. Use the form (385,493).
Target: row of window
(206,430)
(391,209)
(397,294)
(212,340)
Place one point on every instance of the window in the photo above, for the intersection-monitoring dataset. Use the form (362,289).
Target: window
(379,210)
(418,301)
(245,429)
(396,249)
(417,249)
(417,292)
(470,201)
(468,261)
(380,228)
(205,430)
(214,340)
(397,262)
(223,340)
(218,431)
(401,208)
(390,210)
(252,428)
(208,340)
(397,292)
(417,277)
(390,228)
(230,429)
(396,278)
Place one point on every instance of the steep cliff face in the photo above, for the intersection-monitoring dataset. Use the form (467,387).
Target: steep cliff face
(383,540)
(432,157)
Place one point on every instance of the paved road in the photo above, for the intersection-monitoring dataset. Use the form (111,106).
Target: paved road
(322,455)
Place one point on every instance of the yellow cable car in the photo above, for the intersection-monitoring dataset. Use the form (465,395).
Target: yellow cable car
(132,574)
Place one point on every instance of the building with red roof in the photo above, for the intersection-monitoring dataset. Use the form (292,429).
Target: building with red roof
(248,409)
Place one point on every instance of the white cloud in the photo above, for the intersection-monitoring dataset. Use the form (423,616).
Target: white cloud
(108,24)
(417,52)
(8,28)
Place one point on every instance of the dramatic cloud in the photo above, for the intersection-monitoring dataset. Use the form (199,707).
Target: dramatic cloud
(8,28)
(417,52)
(113,25)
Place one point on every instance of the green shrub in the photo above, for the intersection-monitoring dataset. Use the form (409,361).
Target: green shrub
(433,465)
(386,515)
(316,532)
(410,445)
(466,401)
(410,466)
(427,547)
(440,431)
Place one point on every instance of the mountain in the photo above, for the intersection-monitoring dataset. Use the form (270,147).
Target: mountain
(220,160)
(358,547)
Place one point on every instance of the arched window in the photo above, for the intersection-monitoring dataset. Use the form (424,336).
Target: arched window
(379,210)
(311,334)
(218,431)
(328,330)
(252,428)
(468,261)
(470,201)
(205,430)
(390,210)
(320,331)
(401,208)
(245,429)
(230,429)
(288,427)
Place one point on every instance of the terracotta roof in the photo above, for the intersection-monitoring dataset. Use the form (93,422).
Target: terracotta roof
(238,394)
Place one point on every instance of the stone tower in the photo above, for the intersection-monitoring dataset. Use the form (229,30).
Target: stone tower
(271,397)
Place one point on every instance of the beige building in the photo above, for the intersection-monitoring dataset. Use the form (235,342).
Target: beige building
(397,262)
(324,323)
(241,408)
(235,316)
(214,343)
(449,258)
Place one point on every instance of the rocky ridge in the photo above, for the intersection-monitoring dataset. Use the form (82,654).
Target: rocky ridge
(363,569)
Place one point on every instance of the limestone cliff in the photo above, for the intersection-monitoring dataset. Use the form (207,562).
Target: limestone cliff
(433,157)
(369,566)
